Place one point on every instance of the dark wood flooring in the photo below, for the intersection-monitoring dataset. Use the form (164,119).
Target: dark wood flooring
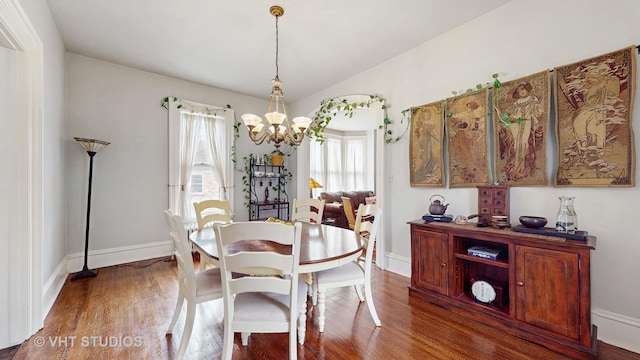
(123,314)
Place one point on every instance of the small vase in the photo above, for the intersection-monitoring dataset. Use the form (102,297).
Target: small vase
(266,194)
(566,220)
(276,160)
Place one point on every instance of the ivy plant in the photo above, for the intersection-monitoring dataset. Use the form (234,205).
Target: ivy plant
(496,85)
(330,108)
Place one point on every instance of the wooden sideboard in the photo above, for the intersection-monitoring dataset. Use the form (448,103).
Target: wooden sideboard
(542,283)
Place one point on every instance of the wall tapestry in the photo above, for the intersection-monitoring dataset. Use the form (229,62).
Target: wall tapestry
(467,130)
(425,145)
(520,128)
(594,103)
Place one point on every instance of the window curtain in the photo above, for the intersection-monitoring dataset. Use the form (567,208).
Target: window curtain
(185,121)
(189,131)
(318,166)
(340,163)
(217,143)
(334,164)
(354,165)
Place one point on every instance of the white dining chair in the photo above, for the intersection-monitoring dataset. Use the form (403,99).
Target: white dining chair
(212,211)
(349,213)
(364,216)
(268,296)
(303,210)
(356,273)
(209,212)
(194,287)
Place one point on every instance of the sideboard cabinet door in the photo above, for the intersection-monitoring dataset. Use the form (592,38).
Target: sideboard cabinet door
(430,264)
(547,289)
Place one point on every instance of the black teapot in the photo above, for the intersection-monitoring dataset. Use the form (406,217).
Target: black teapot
(437,207)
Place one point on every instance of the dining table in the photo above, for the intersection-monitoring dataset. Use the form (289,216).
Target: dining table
(322,246)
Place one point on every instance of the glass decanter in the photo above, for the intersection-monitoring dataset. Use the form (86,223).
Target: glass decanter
(566,220)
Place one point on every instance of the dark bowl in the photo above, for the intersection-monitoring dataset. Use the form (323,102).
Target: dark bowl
(533,221)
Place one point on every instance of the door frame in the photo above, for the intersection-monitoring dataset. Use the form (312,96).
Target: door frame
(26,237)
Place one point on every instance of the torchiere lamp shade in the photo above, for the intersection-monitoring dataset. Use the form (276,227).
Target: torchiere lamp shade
(91,145)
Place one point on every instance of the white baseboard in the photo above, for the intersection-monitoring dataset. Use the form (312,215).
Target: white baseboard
(53,287)
(617,330)
(398,264)
(121,255)
(614,329)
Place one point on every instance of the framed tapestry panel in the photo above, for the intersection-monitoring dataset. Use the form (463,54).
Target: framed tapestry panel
(520,127)
(466,128)
(425,145)
(594,103)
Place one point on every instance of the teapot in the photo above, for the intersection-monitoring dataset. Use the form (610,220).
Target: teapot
(437,207)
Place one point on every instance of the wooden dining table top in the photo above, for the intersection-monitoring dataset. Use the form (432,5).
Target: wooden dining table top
(321,247)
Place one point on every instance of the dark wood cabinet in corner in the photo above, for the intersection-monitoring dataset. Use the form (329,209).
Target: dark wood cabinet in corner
(531,286)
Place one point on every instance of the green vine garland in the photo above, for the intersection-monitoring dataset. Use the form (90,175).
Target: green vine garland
(330,108)
(503,117)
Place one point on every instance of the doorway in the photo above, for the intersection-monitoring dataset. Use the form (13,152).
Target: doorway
(367,121)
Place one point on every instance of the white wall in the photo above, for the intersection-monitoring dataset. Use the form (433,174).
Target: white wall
(33,170)
(122,105)
(515,40)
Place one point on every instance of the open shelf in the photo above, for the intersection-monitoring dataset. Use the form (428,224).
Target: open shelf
(499,262)
(502,309)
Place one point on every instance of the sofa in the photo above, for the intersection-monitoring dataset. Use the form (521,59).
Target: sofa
(333,213)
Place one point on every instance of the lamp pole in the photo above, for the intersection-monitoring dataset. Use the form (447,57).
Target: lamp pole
(92,147)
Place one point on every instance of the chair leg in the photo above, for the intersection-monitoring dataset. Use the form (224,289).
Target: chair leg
(359,292)
(176,312)
(372,308)
(203,262)
(245,338)
(321,308)
(314,290)
(227,341)
(302,326)
(293,345)
(188,328)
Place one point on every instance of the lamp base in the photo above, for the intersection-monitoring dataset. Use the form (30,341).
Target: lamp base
(85,273)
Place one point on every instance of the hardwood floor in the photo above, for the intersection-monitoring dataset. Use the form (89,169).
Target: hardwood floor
(124,312)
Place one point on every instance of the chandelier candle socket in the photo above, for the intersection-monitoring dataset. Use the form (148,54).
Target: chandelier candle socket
(276,127)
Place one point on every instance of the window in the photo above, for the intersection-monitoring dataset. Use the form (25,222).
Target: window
(199,155)
(340,163)
(197,184)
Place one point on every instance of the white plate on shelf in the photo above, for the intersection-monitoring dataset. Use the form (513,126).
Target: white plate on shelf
(259,173)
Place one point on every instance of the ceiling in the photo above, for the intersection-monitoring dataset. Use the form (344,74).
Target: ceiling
(230,44)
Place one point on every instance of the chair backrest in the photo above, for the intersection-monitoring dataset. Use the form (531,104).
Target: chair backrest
(364,218)
(269,257)
(186,268)
(370,241)
(303,210)
(347,206)
(212,211)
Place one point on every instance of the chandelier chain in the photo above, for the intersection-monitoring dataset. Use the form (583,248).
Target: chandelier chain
(277,47)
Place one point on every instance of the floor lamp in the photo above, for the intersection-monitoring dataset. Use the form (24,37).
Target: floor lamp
(92,146)
(313,184)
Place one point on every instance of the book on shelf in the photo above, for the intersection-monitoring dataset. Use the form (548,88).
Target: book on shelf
(484,252)
(440,218)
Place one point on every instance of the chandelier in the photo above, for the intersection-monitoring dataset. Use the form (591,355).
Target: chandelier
(276,127)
